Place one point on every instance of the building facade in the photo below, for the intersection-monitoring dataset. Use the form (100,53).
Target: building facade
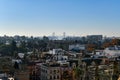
(50,71)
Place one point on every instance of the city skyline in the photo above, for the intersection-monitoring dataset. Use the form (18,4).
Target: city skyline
(75,17)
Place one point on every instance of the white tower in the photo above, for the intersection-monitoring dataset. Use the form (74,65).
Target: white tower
(64,34)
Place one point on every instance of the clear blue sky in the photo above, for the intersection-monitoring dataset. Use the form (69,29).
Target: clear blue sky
(75,17)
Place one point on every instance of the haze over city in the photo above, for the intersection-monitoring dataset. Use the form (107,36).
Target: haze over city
(75,17)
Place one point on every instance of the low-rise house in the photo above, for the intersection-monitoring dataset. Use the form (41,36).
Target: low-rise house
(59,55)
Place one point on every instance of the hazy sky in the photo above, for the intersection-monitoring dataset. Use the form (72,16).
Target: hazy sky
(75,17)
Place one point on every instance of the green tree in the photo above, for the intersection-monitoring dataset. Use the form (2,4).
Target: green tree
(13,49)
(5,49)
(22,48)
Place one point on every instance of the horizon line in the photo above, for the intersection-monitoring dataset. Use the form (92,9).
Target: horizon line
(57,35)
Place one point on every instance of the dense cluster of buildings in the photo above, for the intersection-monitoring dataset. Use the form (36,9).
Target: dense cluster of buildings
(60,64)
(71,64)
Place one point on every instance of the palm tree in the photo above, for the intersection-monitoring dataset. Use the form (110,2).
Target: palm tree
(78,73)
(86,62)
(97,63)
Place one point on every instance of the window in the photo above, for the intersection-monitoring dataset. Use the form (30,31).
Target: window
(54,77)
(50,77)
(55,71)
(57,76)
